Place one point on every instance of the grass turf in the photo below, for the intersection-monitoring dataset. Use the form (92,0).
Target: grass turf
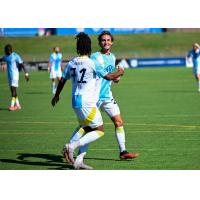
(160,108)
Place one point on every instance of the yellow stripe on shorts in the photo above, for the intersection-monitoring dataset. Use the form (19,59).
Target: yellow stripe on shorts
(89,118)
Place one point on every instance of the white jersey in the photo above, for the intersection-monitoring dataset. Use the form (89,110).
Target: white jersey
(83,73)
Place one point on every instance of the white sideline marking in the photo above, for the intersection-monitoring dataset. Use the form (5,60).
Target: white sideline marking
(108,123)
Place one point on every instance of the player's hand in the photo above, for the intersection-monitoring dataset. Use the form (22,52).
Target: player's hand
(27,77)
(55,100)
(121,70)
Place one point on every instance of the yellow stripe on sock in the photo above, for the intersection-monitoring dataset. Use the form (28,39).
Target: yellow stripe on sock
(120,129)
(89,118)
(100,133)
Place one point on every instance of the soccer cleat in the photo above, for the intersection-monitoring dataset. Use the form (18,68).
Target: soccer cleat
(126,155)
(68,153)
(12,108)
(18,107)
(81,165)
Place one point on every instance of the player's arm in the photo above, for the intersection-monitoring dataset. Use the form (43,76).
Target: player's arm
(60,86)
(49,66)
(114,75)
(25,71)
(2,65)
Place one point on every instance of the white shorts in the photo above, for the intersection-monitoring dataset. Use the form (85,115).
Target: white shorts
(89,117)
(13,82)
(196,70)
(55,74)
(109,106)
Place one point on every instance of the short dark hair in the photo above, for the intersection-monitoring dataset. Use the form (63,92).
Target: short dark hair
(105,33)
(8,47)
(83,44)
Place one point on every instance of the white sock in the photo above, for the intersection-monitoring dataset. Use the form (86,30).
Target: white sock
(198,82)
(17,101)
(12,101)
(120,134)
(87,139)
(77,134)
(53,87)
(80,157)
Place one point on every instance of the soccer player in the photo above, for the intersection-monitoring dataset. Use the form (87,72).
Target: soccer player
(194,54)
(14,62)
(106,102)
(83,74)
(55,67)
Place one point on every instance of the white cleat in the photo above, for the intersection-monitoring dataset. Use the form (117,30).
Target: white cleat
(68,153)
(81,165)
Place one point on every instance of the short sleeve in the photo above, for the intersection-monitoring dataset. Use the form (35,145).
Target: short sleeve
(18,59)
(51,59)
(100,71)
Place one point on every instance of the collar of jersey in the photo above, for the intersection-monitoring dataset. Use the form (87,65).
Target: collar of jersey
(84,56)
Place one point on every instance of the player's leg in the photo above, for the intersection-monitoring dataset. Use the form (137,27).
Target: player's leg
(88,117)
(13,97)
(13,88)
(113,111)
(198,80)
(53,85)
(53,81)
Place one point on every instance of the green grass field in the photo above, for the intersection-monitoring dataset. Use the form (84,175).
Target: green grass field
(160,108)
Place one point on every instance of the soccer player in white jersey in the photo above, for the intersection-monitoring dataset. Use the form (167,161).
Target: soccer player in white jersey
(194,54)
(83,74)
(55,67)
(106,60)
(13,62)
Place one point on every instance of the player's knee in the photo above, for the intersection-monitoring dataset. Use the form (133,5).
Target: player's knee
(118,122)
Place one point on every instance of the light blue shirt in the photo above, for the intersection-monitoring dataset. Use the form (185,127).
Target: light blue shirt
(55,60)
(12,61)
(195,55)
(106,63)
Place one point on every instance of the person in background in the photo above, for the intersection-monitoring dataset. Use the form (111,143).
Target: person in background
(55,67)
(194,55)
(14,63)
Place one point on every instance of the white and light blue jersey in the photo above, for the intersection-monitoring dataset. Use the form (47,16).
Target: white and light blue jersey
(195,56)
(12,61)
(107,63)
(83,74)
(55,60)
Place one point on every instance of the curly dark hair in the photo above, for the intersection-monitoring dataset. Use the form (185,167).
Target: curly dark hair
(83,44)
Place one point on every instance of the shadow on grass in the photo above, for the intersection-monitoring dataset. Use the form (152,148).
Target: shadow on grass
(4,109)
(52,161)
